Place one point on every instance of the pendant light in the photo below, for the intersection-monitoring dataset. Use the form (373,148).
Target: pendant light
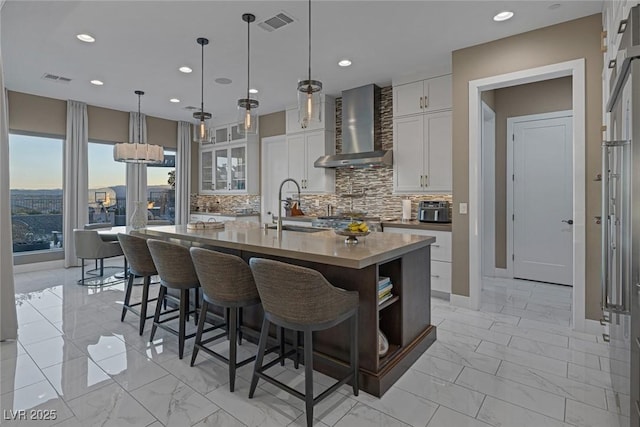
(247,117)
(201,133)
(309,93)
(138,152)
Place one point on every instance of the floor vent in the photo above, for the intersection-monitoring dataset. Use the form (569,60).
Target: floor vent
(54,78)
(276,22)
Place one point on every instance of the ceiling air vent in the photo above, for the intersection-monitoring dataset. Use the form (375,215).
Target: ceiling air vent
(276,22)
(54,78)
(191,108)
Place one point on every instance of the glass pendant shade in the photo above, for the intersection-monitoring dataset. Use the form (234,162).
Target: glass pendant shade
(309,102)
(309,93)
(138,152)
(202,134)
(247,116)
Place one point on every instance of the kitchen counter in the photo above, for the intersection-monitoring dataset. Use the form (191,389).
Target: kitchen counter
(231,214)
(415,224)
(405,319)
(322,246)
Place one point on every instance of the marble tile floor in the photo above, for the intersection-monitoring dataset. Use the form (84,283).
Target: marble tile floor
(513,363)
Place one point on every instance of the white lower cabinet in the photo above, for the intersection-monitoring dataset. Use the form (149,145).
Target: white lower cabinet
(440,255)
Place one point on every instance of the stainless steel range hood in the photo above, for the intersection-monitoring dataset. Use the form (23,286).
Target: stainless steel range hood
(361,145)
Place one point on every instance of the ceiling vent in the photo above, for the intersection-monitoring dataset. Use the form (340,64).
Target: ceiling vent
(276,22)
(54,78)
(191,108)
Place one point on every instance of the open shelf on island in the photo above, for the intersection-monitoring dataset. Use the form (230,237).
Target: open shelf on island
(393,349)
(388,302)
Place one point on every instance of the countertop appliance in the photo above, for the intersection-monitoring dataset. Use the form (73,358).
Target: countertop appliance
(341,221)
(621,226)
(434,211)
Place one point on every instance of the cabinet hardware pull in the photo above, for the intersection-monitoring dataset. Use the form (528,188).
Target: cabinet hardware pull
(605,337)
(435,246)
(638,341)
(435,276)
(426,102)
(421,107)
(426,180)
(421,180)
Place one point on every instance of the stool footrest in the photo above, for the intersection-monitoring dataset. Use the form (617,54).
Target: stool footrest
(225,359)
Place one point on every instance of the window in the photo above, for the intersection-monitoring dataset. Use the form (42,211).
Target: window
(36,192)
(107,186)
(161,190)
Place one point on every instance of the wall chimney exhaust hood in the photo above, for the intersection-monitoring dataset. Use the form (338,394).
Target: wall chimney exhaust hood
(361,145)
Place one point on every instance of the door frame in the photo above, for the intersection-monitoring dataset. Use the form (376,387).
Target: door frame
(576,69)
(489,192)
(511,121)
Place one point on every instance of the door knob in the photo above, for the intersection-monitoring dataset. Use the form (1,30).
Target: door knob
(568,221)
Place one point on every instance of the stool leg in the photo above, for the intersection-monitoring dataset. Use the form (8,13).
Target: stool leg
(262,344)
(280,337)
(296,343)
(184,308)
(196,291)
(308,376)
(240,326)
(127,298)
(145,299)
(101,267)
(354,353)
(82,263)
(233,329)
(188,295)
(203,316)
(156,316)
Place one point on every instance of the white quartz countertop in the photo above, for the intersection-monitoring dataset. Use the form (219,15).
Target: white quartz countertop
(321,247)
(232,214)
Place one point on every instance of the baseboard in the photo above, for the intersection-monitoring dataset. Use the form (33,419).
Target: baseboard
(442,295)
(501,272)
(460,301)
(38,266)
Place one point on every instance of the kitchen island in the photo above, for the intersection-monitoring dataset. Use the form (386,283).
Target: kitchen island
(405,319)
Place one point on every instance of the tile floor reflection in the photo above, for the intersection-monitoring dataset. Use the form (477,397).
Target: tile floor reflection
(515,362)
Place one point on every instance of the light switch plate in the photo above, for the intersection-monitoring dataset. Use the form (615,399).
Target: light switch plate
(463,208)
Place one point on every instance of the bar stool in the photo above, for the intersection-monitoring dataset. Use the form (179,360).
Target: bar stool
(226,281)
(140,265)
(301,299)
(176,271)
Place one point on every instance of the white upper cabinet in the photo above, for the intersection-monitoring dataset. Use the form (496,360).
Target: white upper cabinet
(423,96)
(227,133)
(422,153)
(327,118)
(303,149)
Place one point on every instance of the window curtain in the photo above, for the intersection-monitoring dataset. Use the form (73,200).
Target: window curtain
(75,209)
(8,319)
(183,173)
(136,173)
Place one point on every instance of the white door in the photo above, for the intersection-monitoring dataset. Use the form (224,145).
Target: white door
(274,171)
(542,199)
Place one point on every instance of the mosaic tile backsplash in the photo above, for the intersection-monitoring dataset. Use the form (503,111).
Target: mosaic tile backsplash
(376,183)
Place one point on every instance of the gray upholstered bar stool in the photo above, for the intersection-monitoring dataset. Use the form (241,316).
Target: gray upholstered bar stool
(176,271)
(301,299)
(226,281)
(89,245)
(140,265)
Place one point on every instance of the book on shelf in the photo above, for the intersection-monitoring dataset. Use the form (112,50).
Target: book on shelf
(387,288)
(385,298)
(383,281)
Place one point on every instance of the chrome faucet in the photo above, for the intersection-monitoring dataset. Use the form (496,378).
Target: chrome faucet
(279,227)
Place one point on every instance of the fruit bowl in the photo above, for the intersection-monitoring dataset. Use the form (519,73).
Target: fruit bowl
(352,236)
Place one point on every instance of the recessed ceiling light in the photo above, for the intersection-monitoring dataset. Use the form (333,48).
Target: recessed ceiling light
(174,100)
(253,90)
(97,82)
(503,16)
(87,38)
(223,81)
(185,69)
(344,63)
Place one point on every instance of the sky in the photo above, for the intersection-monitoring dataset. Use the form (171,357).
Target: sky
(36,164)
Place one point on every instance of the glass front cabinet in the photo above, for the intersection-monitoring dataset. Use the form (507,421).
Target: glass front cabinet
(230,168)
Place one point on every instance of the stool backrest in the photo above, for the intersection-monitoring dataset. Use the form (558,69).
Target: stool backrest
(97,225)
(224,278)
(137,253)
(298,294)
(174,264)
(87,244)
